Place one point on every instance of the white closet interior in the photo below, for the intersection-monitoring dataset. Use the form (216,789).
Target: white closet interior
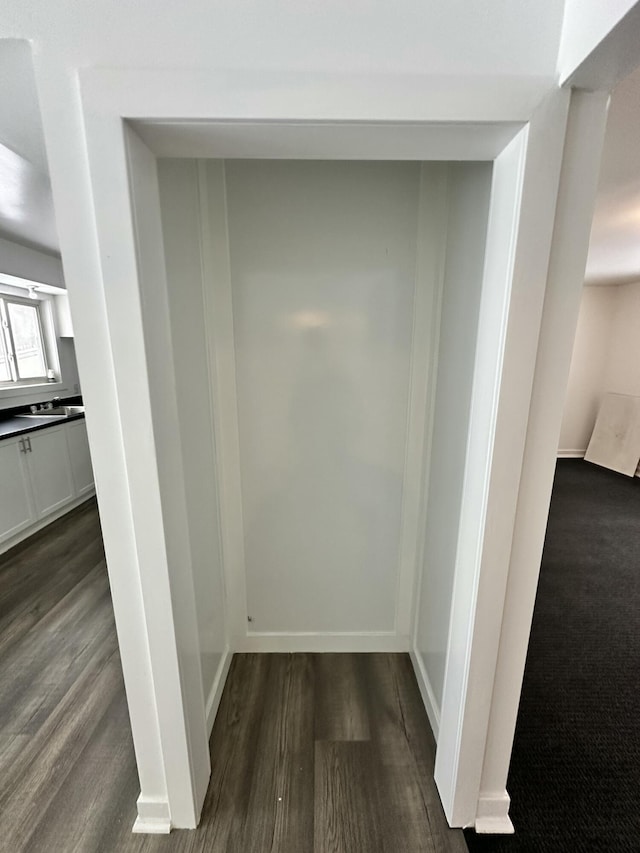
(324,317)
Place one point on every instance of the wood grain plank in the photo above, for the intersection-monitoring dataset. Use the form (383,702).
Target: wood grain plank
(66,734)
(233,748)
(342,711)
(41,575)
(346,815)
(94,808)
(281,798)
(406,749)
(37,672)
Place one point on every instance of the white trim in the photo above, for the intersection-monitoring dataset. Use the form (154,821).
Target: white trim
(326,140)
(564,287)
(151,826)
(21,283)
(571,454)
(26,532)
(183,730)
(7,393)
(167,715)
(78,213)
(458,788)
(523,199)
(154,817)
(110,95)
(183,96)
(426,691)
(215,694)
(216,269)
(429,277)
(493,815)
(366,641)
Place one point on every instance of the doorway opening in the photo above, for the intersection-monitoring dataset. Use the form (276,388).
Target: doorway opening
(324,319)
(128,182)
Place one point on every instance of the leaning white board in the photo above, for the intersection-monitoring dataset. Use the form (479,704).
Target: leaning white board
(615,442)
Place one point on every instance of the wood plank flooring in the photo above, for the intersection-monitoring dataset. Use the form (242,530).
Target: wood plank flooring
(310,753)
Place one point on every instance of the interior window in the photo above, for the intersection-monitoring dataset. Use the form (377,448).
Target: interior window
(23,357)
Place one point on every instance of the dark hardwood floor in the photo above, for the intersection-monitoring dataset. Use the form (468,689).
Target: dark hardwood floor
(310,753)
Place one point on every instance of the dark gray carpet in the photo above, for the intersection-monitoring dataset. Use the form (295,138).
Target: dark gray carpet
(575,771)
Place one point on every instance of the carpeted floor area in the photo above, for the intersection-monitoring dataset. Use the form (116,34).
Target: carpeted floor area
(575,770)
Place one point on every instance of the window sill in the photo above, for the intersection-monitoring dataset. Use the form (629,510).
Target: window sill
(31,390)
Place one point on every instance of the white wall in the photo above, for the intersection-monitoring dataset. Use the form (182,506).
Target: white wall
(24,262)
(454,38)
(622,375)
(606,357)
(468,203)
(323,277)
(180,208)
(323,262)
(588,368)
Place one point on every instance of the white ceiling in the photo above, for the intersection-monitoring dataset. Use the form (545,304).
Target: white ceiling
(614,252)
(26,206)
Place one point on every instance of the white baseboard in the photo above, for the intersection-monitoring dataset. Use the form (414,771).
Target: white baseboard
(153,818)
(44,522)
(151,826)
(215,694)
(426,691)
(374,641)
(493,814)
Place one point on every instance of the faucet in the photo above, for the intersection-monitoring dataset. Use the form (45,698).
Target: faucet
(44,406)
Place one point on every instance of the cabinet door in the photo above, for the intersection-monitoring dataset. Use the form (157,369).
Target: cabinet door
(50,470)
(80,457)
(16,508)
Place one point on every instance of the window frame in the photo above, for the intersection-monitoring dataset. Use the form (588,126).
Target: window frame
(7,333)
(46,304)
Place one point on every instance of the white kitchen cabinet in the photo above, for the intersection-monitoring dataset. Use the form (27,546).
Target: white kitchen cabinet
(43,474)
(81,469)
(49,469)
(16,505)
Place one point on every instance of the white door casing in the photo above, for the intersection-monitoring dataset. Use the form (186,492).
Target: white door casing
(571,230)
(159,706)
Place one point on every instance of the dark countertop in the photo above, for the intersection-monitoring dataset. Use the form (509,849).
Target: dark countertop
(11,425)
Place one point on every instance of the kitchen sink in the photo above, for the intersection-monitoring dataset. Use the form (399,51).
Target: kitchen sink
(56,412)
